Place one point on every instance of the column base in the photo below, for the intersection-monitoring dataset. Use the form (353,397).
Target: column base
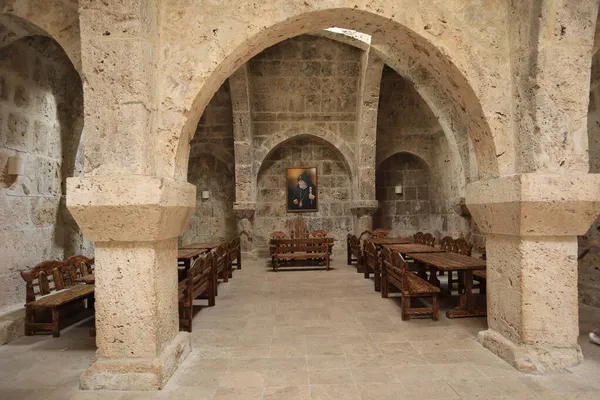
(137,373)
(530,359)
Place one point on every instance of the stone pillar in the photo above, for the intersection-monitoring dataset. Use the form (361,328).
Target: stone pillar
(244,213)
(363,212)
(372,68)
(245,181)
(531,222)
(134,222)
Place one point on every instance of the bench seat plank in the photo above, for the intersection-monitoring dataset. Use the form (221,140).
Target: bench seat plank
(63,297)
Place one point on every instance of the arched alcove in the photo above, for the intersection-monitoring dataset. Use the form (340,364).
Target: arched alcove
(42,118)
(334,189)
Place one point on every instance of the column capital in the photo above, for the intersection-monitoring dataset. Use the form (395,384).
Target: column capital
(535,204)
(244,209)
(130,208)
(364,207)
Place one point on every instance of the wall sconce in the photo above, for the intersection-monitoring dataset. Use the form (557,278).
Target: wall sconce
(205,194)
(398,189)
(16,165)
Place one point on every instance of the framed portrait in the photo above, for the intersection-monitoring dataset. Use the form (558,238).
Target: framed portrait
(302,189)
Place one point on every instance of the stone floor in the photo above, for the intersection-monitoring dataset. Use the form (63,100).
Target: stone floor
(308,335)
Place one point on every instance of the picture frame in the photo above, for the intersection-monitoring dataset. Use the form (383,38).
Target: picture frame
(302,190)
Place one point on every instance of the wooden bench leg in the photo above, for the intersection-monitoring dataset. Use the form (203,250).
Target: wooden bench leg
(55,326)
(405,307)
(377,280)
(434,308)
(225,275)
(29,320)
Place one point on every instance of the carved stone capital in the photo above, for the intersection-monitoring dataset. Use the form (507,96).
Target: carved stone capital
(535,204)
(130,208)
(364,208)
(244,209)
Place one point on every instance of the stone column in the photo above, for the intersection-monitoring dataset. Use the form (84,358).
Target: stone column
(134,222)
(245,180)
(244,213)
(363,212)
(372,68)
(531,222)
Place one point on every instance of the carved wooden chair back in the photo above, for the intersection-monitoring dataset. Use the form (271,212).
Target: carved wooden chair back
(370,259)
(365,235)
(461,246)
(386,258)
(278,235)
(380,233)
(82,265)
(428,239)
(447,243)
(42,279)
(419,238)
(319,233)
(354,244)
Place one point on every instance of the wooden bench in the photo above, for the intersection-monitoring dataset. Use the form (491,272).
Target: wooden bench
(354,254)
(199,281)
(50,289)
(235,254)
(221,265)
(313,249)
(370,263)
(394,271)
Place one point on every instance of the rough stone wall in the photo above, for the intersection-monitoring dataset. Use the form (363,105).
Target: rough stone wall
(409,212)
(589,266)
(333,180)
(211,167)
(405,124)
(304,81)
(41,119)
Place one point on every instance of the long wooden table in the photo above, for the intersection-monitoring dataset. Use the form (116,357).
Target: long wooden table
(201,246)
(449,262)
(405,249)
(390,241)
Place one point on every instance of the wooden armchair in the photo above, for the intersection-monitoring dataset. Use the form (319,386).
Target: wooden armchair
(221,265)
(235,254)
(365,235)
(321,233)
(447,243)
(461,246)
(370,263)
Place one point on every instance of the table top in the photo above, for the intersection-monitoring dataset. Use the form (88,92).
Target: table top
(391,240)
(329,240)
(203,246)
(449,261)
(414,248)
(190,253)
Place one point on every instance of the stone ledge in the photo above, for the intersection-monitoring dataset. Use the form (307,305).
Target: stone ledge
(130,208)
(530,359)
(137,374)
(12,325)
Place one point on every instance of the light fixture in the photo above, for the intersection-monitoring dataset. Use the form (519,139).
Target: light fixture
(398,189)
(16,165)
(205,194)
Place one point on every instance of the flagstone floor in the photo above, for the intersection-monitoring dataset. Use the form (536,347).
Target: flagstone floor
(310,334)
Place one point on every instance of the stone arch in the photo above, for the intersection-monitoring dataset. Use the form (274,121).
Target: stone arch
(412,148)
(471,79)
(57,19)
(309,130)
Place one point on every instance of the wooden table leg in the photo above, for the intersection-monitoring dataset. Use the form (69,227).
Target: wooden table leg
(466,307)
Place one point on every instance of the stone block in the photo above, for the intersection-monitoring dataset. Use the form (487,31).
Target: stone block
(4,88)
(18,132)
(22,96)
(41,134)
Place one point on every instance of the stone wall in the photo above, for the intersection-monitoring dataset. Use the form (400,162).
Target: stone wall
(407,131)
(334,195)
(589,265)
(303,82)
(408,212)
(40,120)
(211,168)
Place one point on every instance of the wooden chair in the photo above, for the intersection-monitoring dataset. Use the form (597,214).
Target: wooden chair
(353,251)
(47,293)
(394,271)
(380,233)
(313,249)
(428,240)
(461,246)
(446,243)
(198,282)
(365,235)
(277,235)
(221,265)
(419,238)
